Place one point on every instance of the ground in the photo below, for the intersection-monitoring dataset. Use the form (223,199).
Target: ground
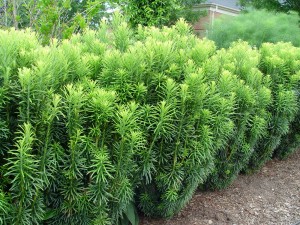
(271,196)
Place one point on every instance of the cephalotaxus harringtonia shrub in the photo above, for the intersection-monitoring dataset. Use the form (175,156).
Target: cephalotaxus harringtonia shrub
(290,142)
(281,62)
(16,49)
(97,124)
(112,119)
(177,109)
(236,75)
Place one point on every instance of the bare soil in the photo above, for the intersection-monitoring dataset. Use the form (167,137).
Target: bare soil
(269,197)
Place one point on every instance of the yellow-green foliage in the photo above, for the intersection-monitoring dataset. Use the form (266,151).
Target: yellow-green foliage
(112,120)
(282,62)
(235,71)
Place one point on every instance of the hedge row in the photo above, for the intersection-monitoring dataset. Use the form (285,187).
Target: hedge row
(114,119)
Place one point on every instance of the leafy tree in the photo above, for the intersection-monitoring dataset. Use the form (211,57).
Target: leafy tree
(51,18)
(274,5)
(159,13)
(62,18)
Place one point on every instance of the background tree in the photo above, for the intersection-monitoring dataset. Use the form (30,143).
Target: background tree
(274,5)
(61,18)
(52,18)
(159,13)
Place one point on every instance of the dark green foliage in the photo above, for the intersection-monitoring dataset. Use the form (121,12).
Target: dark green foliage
(26,184)
(256,27)
(290,142)
(4,208)
(110,121)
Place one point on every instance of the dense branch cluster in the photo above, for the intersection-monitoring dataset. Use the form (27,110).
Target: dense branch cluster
(111,120)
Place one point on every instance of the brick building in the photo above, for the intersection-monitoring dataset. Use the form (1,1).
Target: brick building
(214,8)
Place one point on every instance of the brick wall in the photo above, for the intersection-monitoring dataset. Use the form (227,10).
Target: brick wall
(200,26)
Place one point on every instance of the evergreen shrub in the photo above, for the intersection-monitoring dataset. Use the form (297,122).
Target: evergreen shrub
(235,72)
(285,61)
(281,63)
(113,120)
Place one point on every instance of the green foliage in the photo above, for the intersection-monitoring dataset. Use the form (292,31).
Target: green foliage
(290,142)
(53,18)
(150,72)
(4,208)
(114,120)
(256,27)
(282,62)
(150,12)
(26,185)
(235,71)
(59,19)
(159,13)
(274,5)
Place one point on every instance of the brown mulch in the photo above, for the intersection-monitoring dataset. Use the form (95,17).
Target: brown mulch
(269,197)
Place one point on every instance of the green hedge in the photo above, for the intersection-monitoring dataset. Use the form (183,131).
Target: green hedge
(236,73)
(282,63)
(113,120)
(288,61)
